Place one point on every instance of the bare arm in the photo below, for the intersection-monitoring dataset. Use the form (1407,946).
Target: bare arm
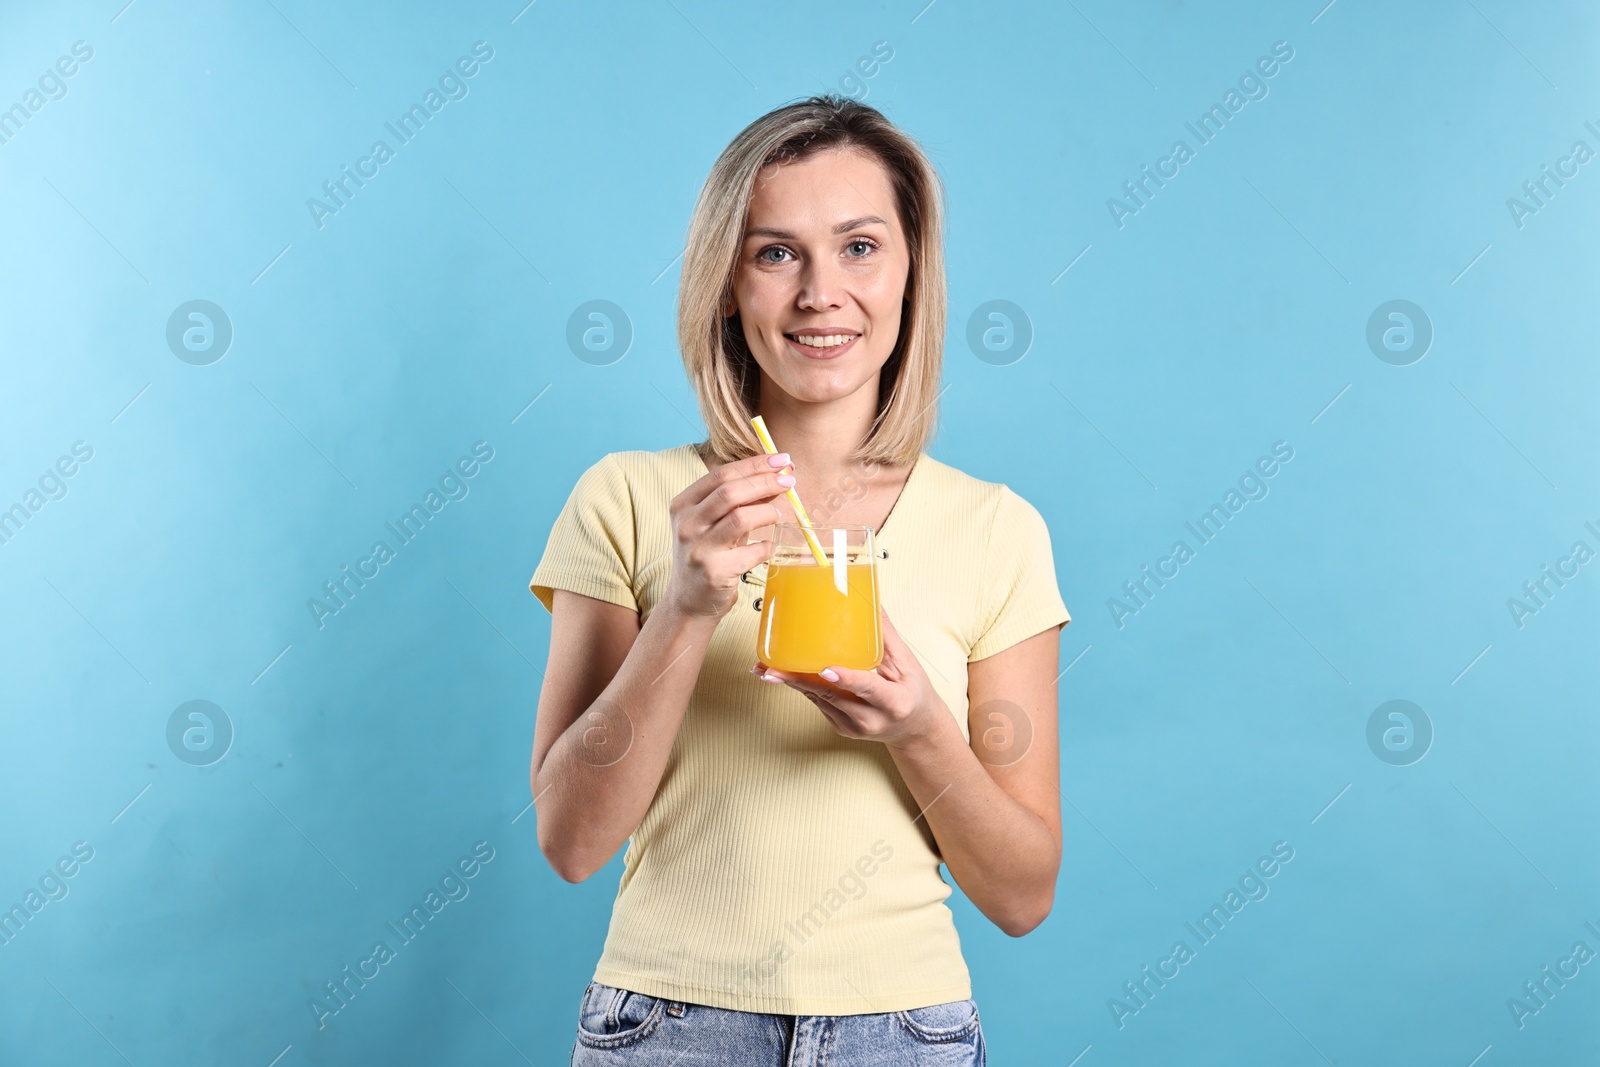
(998,823)
(615,691)
(613,698)
(993,803)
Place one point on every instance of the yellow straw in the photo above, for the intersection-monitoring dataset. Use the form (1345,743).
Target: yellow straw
(794,498)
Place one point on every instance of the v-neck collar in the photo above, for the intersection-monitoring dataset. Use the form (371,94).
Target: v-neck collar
(877,535)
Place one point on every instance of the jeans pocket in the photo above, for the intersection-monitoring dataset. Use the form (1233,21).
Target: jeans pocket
(610,1018)
(939,1024)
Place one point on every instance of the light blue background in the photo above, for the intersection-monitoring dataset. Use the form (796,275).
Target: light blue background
(426,315)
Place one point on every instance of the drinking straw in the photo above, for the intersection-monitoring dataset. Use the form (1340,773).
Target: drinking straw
(794,498)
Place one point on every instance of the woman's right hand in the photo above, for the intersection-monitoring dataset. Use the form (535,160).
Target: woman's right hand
(710,520)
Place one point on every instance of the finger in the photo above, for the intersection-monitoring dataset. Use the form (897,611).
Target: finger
(811,686)
(751,468)
(865,686)
(728,501)
(841,722)
(733,528)
(748,557)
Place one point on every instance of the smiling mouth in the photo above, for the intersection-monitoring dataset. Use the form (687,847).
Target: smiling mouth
(823,346)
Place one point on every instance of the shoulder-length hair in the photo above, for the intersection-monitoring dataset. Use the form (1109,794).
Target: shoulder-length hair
(715,354)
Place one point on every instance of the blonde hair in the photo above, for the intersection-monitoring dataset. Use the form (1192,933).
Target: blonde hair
(715,354)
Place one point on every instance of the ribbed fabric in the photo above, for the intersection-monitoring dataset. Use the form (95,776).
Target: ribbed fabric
(781,867)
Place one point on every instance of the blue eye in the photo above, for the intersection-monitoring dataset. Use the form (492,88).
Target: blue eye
(863,242)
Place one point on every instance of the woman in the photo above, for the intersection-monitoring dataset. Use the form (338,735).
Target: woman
(781,901)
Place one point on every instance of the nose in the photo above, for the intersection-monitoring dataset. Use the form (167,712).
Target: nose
(820,286)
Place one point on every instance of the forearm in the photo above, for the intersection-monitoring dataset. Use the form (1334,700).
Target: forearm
(1002,855)
(598,778)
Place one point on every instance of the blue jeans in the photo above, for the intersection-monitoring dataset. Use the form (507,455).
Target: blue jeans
(617,1027)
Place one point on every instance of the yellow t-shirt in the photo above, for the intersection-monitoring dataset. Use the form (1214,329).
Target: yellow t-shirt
(782,867)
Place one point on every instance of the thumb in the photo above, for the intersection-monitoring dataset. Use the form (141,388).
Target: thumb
(892,642)
(896,653)
(752,555)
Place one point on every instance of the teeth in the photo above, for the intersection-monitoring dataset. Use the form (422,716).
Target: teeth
(830,341)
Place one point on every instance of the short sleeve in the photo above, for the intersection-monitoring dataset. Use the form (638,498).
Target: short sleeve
(592,543)
(1019,597)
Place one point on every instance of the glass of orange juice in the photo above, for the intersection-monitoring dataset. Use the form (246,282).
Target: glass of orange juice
(815,616)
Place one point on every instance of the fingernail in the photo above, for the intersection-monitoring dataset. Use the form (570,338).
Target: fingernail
(828,673)
(770,678)
(786,480)
(780,459)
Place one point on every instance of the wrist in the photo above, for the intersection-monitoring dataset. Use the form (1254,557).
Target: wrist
(928,731)
(672,610)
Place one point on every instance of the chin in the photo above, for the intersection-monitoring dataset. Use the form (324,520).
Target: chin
(821,391)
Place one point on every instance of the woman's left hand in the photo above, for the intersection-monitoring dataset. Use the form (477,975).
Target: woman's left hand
(892,703)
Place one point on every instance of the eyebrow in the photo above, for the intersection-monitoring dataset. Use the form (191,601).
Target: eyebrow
(843,227)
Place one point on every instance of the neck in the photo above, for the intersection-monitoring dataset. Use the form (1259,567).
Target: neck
(819,437)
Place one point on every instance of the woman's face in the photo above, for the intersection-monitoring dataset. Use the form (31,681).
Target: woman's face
(822,274)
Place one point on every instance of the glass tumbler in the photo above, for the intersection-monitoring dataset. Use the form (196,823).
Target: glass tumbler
(815,616)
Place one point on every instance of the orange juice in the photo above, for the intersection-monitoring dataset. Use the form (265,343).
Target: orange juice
(807,624)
